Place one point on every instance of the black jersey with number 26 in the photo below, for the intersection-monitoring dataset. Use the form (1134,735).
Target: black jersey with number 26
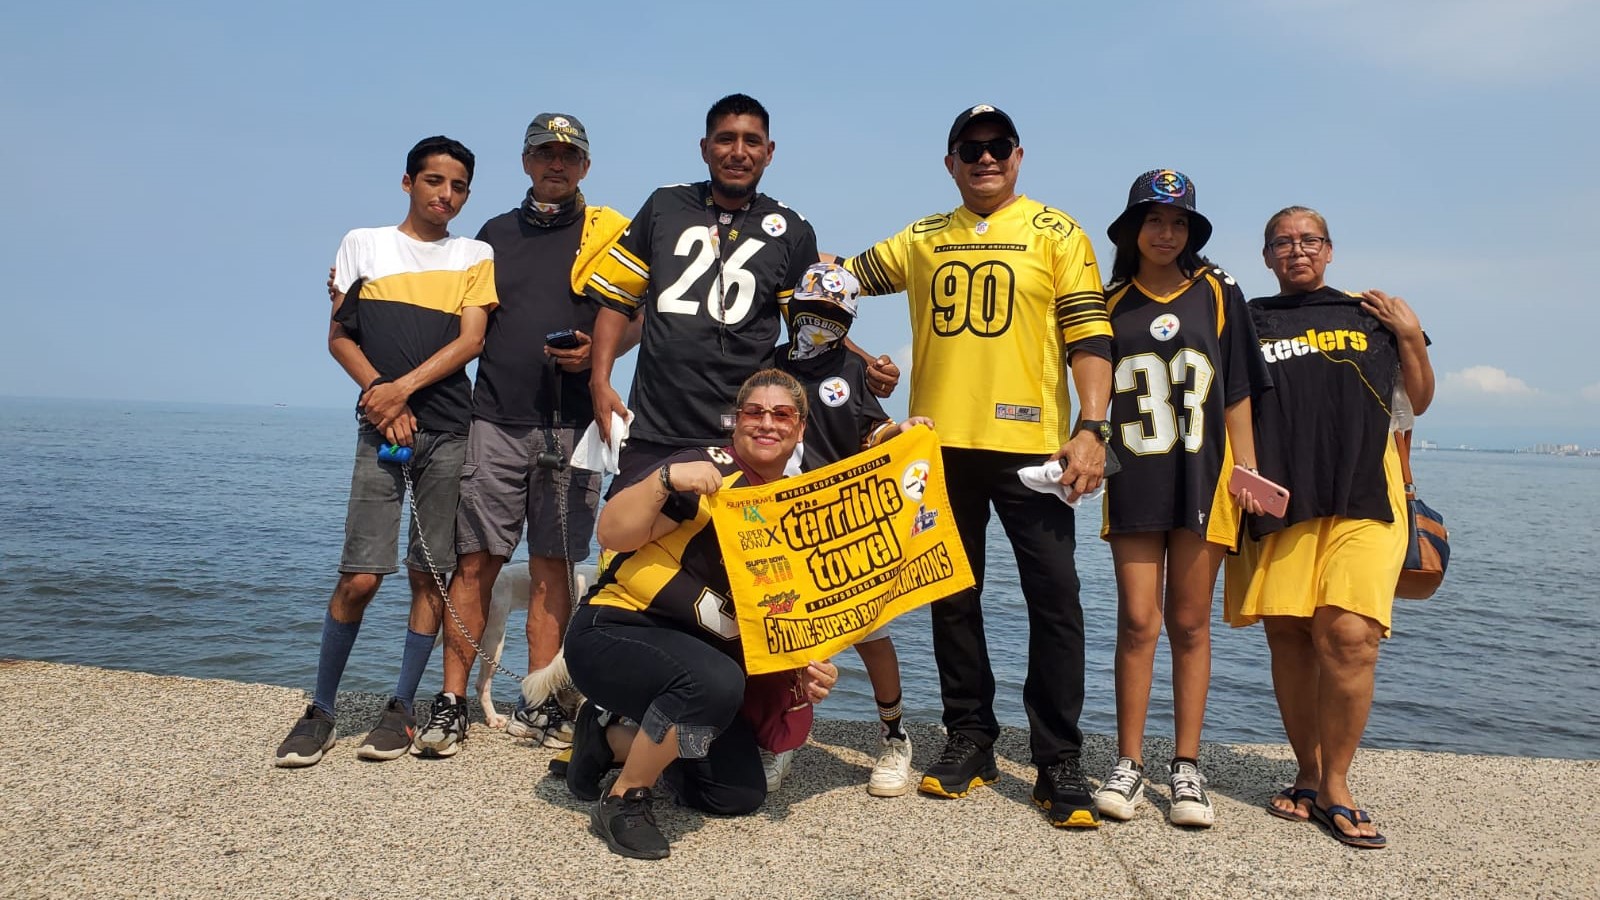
(1178,362)
(711,285)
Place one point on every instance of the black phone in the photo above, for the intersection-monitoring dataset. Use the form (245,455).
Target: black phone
(1113,465)
(565,339)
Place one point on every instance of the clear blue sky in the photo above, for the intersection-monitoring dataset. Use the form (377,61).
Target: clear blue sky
(180,174)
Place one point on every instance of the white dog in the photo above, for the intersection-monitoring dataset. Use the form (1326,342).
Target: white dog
(513,589)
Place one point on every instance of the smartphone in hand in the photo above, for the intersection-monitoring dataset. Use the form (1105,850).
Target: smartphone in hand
(1273,497)
(565,339)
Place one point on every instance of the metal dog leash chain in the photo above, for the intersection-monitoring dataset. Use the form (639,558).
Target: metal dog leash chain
(411,497)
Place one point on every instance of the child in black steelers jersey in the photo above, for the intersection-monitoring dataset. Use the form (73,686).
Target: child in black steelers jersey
(1185,364)
(844,419)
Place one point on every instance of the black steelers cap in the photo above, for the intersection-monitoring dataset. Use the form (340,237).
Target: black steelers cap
(978,113)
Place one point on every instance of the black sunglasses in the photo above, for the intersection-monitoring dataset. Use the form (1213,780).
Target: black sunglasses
(971,151)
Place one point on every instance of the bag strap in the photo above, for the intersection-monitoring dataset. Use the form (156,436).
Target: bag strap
(1402,443)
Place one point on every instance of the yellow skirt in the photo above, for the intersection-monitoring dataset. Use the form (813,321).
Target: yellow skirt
(1332,561)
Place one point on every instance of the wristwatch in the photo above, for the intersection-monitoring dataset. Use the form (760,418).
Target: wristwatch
(1100,428)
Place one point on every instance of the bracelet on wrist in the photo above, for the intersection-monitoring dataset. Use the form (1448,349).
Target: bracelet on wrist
(666,477)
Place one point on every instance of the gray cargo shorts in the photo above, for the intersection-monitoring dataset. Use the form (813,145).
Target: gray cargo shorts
(378,491)
(502,486)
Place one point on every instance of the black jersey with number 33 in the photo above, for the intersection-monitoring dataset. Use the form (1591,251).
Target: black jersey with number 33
(711,285)
(1179,361)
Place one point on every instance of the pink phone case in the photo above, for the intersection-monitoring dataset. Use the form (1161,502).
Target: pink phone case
(1274,498)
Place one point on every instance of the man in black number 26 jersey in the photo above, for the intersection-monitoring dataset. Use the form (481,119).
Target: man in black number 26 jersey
(710,266)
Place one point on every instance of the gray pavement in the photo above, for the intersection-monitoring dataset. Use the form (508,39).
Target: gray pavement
(122,784)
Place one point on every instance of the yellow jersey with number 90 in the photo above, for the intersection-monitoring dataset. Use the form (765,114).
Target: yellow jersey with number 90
(994,301)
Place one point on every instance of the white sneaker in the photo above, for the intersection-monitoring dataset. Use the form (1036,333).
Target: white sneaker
(1119,797)
(1191,805)
(891,774)
(776,766)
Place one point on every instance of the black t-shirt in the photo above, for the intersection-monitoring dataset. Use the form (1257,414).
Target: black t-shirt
(707,326)
(842,412)
(1322,430)
(533,278)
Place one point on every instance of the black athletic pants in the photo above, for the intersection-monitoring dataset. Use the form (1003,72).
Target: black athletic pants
(1040,527)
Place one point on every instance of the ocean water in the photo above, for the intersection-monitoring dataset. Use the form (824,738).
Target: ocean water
(203,540)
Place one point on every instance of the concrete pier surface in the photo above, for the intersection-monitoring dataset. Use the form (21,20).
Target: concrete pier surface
(121,784)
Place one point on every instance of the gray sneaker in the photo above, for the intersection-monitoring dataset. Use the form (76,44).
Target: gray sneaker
(391,737)
(545,724)
(446,728)
(311,737)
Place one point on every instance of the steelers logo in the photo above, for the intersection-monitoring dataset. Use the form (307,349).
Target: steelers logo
(1169,185)
(914,480)
(981,108)
(833,391)
(558,123)
(1165,327)
(775,225)
(833,281)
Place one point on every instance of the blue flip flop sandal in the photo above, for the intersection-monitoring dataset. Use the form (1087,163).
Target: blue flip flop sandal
(1295,794)
(1325,818)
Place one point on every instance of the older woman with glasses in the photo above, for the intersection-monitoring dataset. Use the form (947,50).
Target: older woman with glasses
(657,643)
(1345,368)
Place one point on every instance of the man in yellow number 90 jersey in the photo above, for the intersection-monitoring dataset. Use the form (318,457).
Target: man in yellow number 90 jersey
(1002,289)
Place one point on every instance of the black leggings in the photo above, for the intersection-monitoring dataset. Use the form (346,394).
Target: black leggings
(632,665)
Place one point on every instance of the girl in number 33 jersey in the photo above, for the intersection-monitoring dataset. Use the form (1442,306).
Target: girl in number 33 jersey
(1185,365)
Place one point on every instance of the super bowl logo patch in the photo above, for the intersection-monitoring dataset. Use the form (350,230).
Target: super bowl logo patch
(1165,327)
(779,603)
(914,480)
(925,520)
(775,224)
(834,391)
(1012,412)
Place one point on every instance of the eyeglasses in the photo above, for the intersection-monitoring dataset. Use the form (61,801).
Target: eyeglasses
(972,151)
(782,416)
(549,153)
(1284,247)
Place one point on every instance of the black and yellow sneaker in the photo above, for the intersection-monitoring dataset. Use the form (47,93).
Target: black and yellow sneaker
(1062,792)
(962,765)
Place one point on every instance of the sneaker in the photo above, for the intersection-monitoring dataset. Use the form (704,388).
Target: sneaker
(591,753)
(1062,791)
(776,766)
(545,724)
(307,741)
(446,728)
(1123,790)
(1191,805)
(891,774)
(962,765)
(391,737)
(628,825)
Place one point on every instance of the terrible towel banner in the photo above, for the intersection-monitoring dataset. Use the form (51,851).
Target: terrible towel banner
(818,561)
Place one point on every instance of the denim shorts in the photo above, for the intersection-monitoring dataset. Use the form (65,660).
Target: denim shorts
(502,486)
(378,491)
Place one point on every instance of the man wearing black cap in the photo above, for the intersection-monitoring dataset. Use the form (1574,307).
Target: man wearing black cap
(1002,289)
(528,406)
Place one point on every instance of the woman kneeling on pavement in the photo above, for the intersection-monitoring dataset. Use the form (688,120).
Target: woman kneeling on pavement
(657,642)
(1347,370)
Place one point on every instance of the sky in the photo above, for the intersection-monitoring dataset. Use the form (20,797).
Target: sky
(183,173)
